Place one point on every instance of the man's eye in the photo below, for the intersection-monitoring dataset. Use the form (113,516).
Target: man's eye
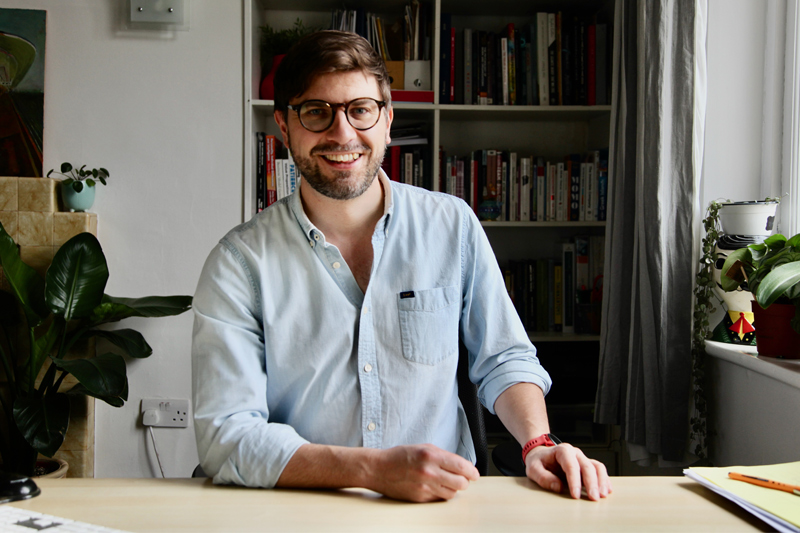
(360,111)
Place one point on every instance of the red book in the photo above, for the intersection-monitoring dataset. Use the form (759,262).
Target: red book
(394,151)
(591,54)
(425,97)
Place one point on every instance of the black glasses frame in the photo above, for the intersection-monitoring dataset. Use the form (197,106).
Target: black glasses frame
(296,108)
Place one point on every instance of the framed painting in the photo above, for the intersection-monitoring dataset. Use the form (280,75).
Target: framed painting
(22,44)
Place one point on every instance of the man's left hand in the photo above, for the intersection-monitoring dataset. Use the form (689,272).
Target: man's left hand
(550,466)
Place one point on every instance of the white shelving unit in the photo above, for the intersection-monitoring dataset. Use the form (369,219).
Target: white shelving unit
(549,131)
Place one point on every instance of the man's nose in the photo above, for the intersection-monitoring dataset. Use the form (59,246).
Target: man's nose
(341,127)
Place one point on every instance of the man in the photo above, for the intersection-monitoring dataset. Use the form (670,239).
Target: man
(327,327)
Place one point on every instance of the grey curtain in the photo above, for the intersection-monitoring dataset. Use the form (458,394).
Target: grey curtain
(657,121)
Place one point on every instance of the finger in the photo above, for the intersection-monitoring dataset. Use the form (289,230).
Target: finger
(458,465)
(453,481)
(568,461)
(543,477)
(603,480)
(589,475)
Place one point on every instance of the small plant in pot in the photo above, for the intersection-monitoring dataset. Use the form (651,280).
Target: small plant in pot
(41,320)
(771,271)
(78,187)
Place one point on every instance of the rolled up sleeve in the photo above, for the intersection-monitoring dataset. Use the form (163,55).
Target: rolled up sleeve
(235,440)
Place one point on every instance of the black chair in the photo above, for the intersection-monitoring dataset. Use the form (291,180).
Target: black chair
(468,394)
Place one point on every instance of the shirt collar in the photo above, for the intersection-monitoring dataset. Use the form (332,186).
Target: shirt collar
(296,205)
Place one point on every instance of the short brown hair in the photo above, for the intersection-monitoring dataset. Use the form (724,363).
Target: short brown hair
(325,52)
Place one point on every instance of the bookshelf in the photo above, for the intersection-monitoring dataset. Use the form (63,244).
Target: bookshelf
(548,131)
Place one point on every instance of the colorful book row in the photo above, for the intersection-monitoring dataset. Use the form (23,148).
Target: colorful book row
(503,186)
(556,59)
(561,294)
(276,173)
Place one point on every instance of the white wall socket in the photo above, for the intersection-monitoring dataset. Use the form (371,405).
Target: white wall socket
(163,413)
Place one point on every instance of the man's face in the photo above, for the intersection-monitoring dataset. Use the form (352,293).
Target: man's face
(340,162)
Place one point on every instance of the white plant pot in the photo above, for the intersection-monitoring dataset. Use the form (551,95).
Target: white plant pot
(748,218)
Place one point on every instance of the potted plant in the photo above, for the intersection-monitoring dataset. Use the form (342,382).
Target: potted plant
(771,271)
(274,46)
(77,190)
(40,321)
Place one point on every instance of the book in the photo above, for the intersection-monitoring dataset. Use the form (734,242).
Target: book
(558,291)
(444,59)
(526,184)
(531,78)
(542,44)
(424,97)
(467,53)
(504,70)
(559,60)
(261,172)
(591,65)
(568,298)
(270,149)
(777,508)
(511,53)
(552,64)
(583,280)
(601,64)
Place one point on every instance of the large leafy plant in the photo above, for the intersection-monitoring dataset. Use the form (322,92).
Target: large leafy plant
(41,320)
(770,270)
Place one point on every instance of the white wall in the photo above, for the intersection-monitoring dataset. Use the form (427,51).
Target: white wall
(163,113)
(736,37)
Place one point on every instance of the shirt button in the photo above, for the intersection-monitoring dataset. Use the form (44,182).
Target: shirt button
(336,264)
(371,426)
(368,368)
(366,310)
(316,236)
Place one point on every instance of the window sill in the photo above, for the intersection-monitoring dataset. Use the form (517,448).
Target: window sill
(784,370)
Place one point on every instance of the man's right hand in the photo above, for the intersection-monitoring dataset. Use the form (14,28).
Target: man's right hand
(420,473)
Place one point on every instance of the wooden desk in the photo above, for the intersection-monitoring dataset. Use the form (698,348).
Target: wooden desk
(490,504)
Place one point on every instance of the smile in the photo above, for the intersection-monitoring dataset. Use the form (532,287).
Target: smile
(342,158)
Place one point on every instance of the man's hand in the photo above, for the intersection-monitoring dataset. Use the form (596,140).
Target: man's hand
(420,473)
(549,466)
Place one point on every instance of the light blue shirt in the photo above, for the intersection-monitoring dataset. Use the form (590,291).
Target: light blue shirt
(288,350)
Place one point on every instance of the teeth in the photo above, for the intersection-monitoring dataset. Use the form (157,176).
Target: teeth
(342,158)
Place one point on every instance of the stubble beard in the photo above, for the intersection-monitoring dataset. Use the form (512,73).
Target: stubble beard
(342,184)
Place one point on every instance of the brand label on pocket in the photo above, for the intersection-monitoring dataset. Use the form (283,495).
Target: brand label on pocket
(406,294)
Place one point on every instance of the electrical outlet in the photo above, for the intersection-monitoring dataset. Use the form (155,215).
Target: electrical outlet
(165,413)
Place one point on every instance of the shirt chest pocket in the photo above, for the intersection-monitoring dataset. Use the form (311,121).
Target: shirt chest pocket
(429,323)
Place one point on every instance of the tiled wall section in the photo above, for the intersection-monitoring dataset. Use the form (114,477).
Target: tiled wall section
(29,213)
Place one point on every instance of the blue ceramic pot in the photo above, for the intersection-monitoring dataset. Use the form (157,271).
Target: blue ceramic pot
(77,201)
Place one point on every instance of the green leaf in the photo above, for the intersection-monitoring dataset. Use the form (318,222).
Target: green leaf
(777,282)
(65,167)
(113,309)
(104,172)
(90,182)
(794,242)
(743,255)
(76,279)
(113,401)
(130,340)
(103,375)
(25,283)
(41,348)
(77,186)
(43,420)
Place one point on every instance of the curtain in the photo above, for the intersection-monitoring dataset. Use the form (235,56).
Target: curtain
(655,159)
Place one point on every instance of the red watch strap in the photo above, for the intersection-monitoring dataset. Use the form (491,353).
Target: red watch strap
(541,440)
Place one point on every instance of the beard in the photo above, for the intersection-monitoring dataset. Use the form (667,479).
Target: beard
(341,184)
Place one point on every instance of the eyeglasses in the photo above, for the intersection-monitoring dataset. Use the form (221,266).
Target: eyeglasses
(318,115)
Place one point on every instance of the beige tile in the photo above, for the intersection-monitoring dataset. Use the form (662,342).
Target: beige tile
(37,194)
(10,222)
(67,225)
(35,229)
(8,194)
(37,257)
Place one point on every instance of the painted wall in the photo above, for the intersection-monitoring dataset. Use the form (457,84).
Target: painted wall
(736,37)
(163,113)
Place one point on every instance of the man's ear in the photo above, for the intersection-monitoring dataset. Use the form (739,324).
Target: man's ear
(280,120)
(389,118)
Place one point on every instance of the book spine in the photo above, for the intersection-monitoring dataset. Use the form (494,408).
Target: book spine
(575,189)
(504,68)
(582,280)
(514,185)
(591,65)
(452,76)
(272,191)
(444,59)
(601,64)
(484,67)
(468,98)
(551,59)
(512,65)
(559,59)
(261,171)
(541,55)
(526,182)
(568,266)
(558,291)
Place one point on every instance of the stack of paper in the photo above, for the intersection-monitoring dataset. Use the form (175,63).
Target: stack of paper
(779,509)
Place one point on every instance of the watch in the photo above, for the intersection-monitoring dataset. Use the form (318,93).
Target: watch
(547,439)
